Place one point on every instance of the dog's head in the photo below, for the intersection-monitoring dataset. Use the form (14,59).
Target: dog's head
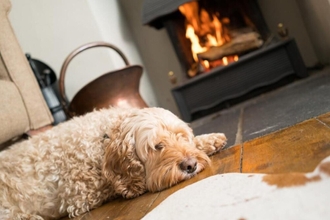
(164,144)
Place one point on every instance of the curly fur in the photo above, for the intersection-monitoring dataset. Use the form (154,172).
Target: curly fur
(82,163)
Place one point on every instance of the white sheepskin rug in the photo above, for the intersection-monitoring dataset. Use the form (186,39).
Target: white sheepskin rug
(252,196)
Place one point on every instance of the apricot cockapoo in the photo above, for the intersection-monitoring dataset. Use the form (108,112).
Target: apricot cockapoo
(79,164)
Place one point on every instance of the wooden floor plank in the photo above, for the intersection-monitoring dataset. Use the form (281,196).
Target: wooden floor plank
(105,211)
(325,118)
(121,208)
(227,161)
(136,208)
(296,149)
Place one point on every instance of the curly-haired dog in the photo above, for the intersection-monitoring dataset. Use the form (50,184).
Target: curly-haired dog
(79,164)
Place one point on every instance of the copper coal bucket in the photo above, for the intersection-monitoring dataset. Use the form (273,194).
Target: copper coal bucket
(115,88)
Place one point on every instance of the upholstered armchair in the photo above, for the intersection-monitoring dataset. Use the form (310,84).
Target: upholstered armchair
(22,106)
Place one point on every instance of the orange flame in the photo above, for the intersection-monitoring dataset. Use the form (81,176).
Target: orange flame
(196,48)
(209,29)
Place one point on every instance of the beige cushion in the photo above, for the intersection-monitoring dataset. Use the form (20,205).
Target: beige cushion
(13,116)
(22,106)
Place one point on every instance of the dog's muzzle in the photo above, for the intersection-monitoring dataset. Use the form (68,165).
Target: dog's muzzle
(189,165)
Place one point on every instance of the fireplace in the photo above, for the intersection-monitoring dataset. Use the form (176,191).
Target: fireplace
(225,49)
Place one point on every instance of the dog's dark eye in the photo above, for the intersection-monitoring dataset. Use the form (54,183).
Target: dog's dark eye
(159,146)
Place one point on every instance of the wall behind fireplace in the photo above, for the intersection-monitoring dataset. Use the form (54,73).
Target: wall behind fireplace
(287,12)
(317,20)
(156,51)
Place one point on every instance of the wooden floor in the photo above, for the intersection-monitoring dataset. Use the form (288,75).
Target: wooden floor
(295,149)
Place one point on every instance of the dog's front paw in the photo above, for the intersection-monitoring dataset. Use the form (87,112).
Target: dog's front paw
(210,143)
(132,191)
(128,194)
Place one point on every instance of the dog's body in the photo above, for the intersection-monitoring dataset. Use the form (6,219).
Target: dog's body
(78,165)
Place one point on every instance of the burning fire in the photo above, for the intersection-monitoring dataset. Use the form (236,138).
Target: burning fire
(205,31)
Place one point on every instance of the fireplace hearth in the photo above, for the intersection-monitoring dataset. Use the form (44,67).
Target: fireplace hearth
(236,54)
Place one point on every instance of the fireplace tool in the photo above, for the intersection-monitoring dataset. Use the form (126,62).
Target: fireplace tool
(114,88)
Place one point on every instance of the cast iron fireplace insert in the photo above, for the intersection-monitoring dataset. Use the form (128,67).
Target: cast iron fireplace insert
(206,89)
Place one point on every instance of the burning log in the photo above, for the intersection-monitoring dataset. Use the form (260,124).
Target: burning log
(239,45)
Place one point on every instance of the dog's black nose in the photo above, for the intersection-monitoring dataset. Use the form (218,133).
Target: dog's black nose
(189,165)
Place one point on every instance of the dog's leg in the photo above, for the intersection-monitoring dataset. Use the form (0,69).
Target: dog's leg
(210,143)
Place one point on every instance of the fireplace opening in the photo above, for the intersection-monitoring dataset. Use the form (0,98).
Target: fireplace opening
(225,49)
(218,32)
(207,34)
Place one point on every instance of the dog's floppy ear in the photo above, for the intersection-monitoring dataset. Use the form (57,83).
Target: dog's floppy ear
(122,166)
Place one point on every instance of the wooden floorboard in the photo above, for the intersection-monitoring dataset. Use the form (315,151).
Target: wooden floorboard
(325,119)
(295,149)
